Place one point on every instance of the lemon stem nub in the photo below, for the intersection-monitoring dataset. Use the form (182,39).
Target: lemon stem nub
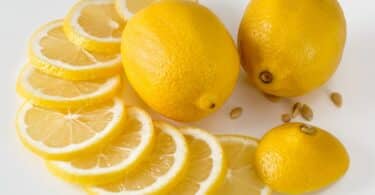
(207,102)
(266,77)
(308,129)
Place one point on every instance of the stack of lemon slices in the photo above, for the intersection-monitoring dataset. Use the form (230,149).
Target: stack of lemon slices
(75,120)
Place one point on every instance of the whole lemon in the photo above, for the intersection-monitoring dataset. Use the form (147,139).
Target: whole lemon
(296,158)
(180,59)
(290,47)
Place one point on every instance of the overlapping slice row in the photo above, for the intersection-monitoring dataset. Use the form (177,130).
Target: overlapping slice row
(163,168)
(66,133)
(51,52)
(53,92)
(95,25)
(241,177)
(112,160)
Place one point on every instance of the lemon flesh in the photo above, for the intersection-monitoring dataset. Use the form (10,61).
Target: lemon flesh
(60,134)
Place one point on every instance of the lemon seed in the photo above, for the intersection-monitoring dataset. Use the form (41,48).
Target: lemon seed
(236,112)
(308,129)
(286,118)
(336,98)
(296,109)
(307,112)
(272,98)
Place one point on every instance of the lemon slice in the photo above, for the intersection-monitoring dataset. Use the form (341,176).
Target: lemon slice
(241,177)
(127,8)
(53,92)
(95,25)
(51,52)
(158,173)
(207,165)
(111,161)
(63,134)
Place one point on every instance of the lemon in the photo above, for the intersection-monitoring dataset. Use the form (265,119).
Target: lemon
(156,174)
(111,161)
(63,134)
(180,59)
(127,8)
(241,178)
(95,26)
(296,158)
(207,164)
(53,92)
(291,47)
(51,52)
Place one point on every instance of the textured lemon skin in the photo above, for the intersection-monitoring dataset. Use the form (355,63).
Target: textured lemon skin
(69,155)
(293,162)
(180,59)
(299,42)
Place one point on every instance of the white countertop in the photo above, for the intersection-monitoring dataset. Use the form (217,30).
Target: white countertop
(23,173)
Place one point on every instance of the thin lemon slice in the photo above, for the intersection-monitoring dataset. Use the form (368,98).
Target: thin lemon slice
(127,8)
(51,52)
(95,25)
(113,160)
(207,165)
(241,177)
(161,171)
(53,92)
(63,134)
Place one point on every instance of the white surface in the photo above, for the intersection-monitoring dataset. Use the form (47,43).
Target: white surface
(23,173)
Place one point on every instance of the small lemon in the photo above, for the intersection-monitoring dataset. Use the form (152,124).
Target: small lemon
(180,59)
(290,47)
(296,158)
